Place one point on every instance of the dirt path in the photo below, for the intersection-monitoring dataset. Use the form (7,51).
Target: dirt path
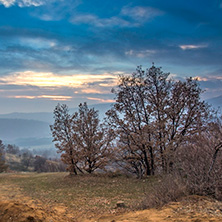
(16,207)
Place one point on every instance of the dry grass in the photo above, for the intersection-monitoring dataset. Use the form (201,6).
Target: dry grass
(87,194)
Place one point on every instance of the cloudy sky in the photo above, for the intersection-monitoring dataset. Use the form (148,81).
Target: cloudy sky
(70,51)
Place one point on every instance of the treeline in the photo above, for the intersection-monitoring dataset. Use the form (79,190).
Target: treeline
(157,126)
(12,158)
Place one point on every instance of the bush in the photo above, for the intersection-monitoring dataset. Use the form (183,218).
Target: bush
(194,164)
(168,188)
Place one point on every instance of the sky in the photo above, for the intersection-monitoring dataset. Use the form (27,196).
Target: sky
(72,51)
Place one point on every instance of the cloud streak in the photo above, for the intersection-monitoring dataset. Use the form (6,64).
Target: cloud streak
(101,100)
(94,20)
(50,97)
(22,3)
(190,47)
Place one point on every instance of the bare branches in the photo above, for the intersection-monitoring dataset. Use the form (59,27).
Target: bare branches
(153,115)
(85,144)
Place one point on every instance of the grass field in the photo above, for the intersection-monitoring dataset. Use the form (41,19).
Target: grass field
(85,194)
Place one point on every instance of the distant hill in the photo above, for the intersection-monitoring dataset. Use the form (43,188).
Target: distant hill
(20,128)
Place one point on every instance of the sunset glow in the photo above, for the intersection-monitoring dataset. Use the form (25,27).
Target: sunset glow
(52,80)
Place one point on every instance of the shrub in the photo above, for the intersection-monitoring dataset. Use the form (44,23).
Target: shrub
(169,188)
(194,164)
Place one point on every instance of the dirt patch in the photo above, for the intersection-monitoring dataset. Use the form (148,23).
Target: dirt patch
(18,212)
(189,209)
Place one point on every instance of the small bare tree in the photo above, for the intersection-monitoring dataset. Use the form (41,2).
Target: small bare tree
(85,144)
(92,139)
(3,166)
(62,132)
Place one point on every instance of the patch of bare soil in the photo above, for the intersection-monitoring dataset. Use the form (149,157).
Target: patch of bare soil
(189,209)
(18,212)
(15,207)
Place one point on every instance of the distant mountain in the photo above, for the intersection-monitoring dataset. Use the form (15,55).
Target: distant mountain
(48,117)
(215,102)
(43,116)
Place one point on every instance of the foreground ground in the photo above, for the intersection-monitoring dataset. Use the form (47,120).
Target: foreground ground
(55,197)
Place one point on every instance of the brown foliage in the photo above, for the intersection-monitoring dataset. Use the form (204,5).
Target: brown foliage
(152,116)
(199,162)
(168,188)
(85,144)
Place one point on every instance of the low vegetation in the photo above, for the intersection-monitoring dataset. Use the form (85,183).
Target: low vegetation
(14,159)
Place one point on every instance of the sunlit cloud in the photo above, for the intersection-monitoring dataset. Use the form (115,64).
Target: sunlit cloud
(101,100)
(41,79)
(89,91)
(211,85)
(187,47)
(50,97)
(199,78)
(22,3)
(210,78)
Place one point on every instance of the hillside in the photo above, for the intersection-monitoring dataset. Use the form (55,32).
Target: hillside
(20,131)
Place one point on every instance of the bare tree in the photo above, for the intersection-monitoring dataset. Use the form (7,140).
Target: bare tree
(152,116)
(13,149)
(27,159)
(62,132)
(84,142)
(3,166)
(92,139)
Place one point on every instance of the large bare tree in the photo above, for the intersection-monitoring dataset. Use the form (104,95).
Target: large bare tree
(152,116)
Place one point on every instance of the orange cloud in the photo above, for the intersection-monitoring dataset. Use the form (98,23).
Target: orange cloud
(101,100)
(51,97)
